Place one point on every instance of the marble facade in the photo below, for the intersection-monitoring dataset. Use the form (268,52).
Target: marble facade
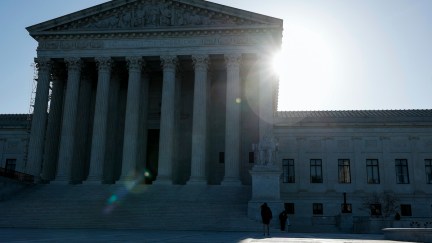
(130,66)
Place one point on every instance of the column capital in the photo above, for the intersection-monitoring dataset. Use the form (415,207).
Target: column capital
(233,59)
(43,63)
(135,63)
(169,62)
(200,61)
(73,63)
(104,63)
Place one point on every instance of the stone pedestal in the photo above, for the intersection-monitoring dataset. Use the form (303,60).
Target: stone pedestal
(265,189)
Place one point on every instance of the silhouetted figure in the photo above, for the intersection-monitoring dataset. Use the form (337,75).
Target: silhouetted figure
(266,215)
(283,216)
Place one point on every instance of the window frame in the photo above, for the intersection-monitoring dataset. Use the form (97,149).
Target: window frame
(316,179)
(288,171)
(374,176)
(376,210)
(401,166)
(406,210)
(428,170)
(317,209)
(344,168)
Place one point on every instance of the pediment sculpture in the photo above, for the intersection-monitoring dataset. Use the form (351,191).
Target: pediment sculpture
(153,14)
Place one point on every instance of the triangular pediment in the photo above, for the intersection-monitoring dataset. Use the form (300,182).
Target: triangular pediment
(142,15)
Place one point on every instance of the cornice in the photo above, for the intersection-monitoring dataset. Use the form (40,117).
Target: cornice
(168,32)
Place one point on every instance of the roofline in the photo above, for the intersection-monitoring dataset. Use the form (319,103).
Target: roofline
(34,29)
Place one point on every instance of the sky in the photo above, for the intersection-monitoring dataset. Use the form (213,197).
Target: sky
(336,54)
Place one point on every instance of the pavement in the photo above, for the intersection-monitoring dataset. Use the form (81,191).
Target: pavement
(98,235)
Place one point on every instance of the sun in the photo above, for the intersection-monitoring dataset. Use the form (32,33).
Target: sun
(306,69)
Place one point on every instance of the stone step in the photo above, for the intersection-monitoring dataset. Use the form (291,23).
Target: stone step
(141,207)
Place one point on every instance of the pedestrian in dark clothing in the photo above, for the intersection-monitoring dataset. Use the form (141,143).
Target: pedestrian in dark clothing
(283,216)
(266,215)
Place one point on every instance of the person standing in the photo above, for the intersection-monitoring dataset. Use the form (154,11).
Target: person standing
(266,216)
(283,216)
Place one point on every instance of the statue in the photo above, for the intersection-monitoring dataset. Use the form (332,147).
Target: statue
(265,151)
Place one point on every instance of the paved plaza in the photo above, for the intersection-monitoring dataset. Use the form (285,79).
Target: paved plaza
(87,235)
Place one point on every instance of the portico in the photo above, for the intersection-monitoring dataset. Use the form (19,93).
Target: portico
(182,80)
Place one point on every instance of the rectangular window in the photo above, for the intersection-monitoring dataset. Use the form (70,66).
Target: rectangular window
(10,165)
(289,207)
(372,169)
(288,171)
(402,176)
(428,168)
(221,157)
(346,208)
(316,171)
(317,209)
(344,171)
(375,209)
(405,210)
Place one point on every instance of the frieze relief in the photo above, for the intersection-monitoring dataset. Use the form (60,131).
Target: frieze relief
(153,14)
(139,43)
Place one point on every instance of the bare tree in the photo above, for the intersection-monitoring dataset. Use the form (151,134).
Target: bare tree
(383,205)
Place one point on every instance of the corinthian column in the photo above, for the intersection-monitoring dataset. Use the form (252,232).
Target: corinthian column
(166,143)
(97,157)
(232,122)
(37,137)
(132,118)
(67,137)
(199,129)
(54,124)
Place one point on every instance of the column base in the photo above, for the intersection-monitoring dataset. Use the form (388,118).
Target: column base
(197,181)
(163,181)
(93,180)
(231,182)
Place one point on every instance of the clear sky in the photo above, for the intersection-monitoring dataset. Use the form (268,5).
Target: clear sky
(337,54)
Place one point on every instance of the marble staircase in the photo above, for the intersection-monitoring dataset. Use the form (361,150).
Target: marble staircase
(128,206)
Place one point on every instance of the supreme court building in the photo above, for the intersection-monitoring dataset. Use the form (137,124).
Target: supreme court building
(180,92)
(162,89)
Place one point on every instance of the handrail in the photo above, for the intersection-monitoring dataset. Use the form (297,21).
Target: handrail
(15,175)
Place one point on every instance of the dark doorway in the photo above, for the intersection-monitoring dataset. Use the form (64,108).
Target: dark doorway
(152,155)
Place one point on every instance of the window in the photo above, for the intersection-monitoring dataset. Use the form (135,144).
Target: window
(347,209)
(221,157)
(251,157)
(317,209)
(10,165)
(428,168)
(402,176)
(375,209)
(288,171)
(289,207)
(344,171)
(372,170)
(405,210)
(316,171)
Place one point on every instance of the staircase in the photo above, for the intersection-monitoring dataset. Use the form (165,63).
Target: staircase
(153,207)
